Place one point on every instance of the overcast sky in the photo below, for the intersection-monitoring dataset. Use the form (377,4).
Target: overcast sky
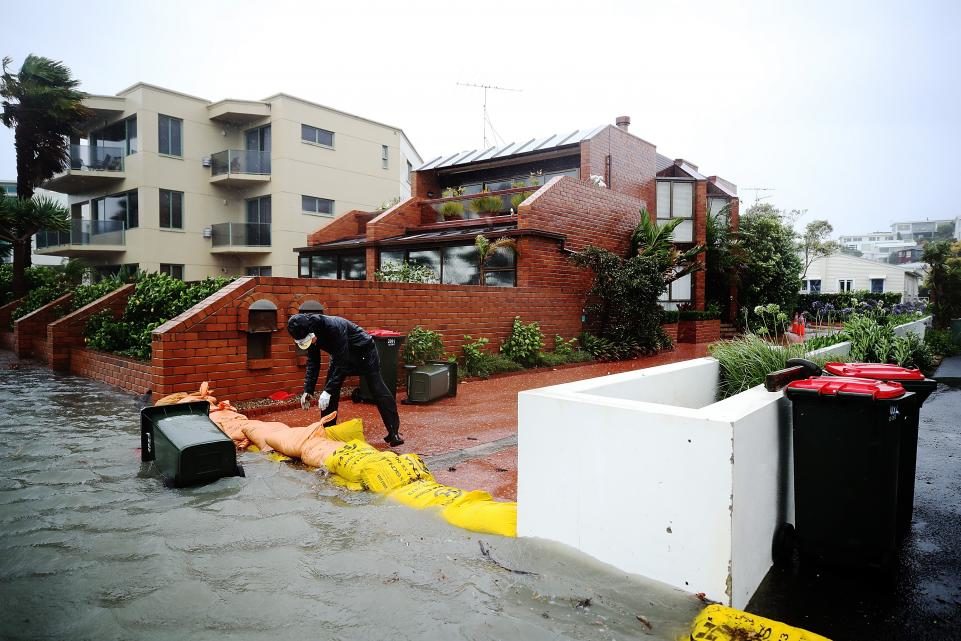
(850,110)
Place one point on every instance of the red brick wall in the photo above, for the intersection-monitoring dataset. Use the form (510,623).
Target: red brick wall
(126,373)
(395,220)
(586,214)
(66,334)
(30,331)
(207,343)
(422,182)
(6,312)
(632,162)
(353,223)
(698,331)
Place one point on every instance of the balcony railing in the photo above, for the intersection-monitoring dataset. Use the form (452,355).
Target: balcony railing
(240,161)
(99,158)
(480,205)
(240,235)
(84,232)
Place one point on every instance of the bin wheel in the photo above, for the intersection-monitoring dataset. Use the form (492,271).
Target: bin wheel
(239,471)
(355,395)
(168,482)
(784,551)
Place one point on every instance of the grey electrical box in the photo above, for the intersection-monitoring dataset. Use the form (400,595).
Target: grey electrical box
(426,383)
(188,447)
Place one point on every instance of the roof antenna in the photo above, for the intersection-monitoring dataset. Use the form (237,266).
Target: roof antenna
(757,192)
(486,119)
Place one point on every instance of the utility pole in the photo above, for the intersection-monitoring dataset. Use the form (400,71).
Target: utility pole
(485,88)
(757,192)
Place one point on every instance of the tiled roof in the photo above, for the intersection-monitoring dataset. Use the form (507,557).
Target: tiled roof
(525,146)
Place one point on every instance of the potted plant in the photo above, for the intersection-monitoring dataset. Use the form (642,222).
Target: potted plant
(452,210)
(487,204)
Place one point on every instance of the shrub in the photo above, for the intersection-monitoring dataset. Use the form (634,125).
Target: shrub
(86,294)
(604,349)
(405,273)
(525,343)
(769,266)
(872,342)
(479,362)
(670,316)
(156,299)
(845,299)
(46,284)
(940,342)
(422,345)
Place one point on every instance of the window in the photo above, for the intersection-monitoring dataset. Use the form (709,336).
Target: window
(131,123)
(845,285)
(315,205)
(171,136)
(259,271)
(677,293)
(171,209)
(259,217)
(384,157)
(815,286)
(459,264)
(877,285)
(804,285)
(676,200)
(122,209)
(174,271)
(317,136)
(334,266)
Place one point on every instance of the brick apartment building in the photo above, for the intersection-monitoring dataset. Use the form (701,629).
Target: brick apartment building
(540,192)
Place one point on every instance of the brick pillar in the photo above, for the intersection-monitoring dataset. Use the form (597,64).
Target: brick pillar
(67,333)
(700,237)
(33,326)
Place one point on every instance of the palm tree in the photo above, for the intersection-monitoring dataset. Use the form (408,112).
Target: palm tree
(19,220)
(486,250)
(650,240)
(42,105)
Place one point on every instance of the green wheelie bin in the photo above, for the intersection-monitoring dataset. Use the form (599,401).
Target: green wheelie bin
(388,344)
(847,438)
(913,381)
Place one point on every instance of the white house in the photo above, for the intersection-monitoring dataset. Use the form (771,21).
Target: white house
(844,273)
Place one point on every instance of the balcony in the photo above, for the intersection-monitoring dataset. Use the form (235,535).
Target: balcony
(240,238)
(84,238)
(91,168)
(485,204)
(238,112)
(239,167)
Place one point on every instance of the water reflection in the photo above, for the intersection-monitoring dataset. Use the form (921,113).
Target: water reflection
(94,547)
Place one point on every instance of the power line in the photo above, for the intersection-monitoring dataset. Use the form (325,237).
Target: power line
(486,119)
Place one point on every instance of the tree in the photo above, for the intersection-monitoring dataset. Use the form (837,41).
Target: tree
(944,280)
(42,105)
(20,219)
(719,262)
(765,259)
(487,250)
(653,241)
(815,244)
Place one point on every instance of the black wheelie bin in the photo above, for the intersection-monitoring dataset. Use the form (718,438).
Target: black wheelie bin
(913,381)
(847,437)
(388,345)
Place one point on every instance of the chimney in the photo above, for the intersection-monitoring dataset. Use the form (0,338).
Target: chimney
(623,122)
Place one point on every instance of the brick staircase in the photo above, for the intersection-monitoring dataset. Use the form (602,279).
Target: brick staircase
(728,331)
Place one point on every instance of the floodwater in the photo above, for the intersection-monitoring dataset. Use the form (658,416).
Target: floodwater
(92,546)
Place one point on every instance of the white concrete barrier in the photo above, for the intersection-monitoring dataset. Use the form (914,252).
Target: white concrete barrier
(644,471)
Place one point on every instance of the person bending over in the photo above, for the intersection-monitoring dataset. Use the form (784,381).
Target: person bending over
(352,351)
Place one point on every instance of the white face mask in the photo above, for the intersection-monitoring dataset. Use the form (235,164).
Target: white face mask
(306,341)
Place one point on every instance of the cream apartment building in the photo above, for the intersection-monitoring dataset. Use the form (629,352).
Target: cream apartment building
(164,181)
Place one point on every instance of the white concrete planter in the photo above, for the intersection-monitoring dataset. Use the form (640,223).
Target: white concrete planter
(644,471)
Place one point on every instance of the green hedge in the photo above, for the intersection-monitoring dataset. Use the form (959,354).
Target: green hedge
(843,300)
(693,314)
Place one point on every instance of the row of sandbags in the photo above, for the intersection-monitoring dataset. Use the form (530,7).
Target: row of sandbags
(357,465)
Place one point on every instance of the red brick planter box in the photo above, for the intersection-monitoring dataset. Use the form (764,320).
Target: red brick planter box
(699,331)
(671,330)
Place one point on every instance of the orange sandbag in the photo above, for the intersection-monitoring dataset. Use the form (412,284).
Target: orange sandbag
(317,448)
(193,398)
(170,399)
(257,431)
(222,416)
(234,428)
(290,442)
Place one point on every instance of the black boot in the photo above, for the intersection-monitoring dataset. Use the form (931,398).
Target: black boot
(393,439)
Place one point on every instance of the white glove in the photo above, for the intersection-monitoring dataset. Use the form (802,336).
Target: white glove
(323,401)
(305,399)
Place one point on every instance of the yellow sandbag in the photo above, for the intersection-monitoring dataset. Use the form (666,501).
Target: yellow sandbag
(354,486)
(423,494)
(346,432)
(291,441)
(727,624)
(478,512)
(349,460)
(257,432)
(392,471)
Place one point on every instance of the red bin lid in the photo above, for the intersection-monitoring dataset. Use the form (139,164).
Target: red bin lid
(877,371)
(846,385)
(384,333)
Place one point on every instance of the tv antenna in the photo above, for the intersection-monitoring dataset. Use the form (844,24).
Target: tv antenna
(486,118)
(757,192)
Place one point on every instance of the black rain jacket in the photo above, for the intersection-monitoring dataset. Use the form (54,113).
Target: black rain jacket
(349,347)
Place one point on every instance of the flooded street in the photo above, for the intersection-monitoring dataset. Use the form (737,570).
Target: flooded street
(94,547)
